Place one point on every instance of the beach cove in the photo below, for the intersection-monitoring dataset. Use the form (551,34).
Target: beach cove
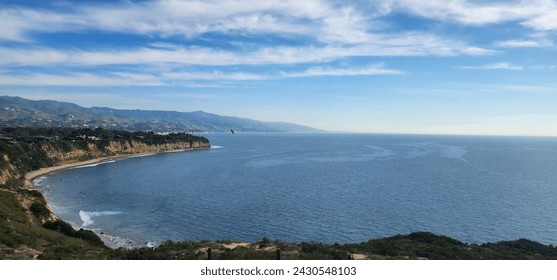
(30,183)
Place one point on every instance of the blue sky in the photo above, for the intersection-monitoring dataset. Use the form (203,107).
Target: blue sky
(384,66)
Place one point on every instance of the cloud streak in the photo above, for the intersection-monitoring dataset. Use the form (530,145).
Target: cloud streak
(495,66)
(327,23)
(524,43)
(535,14)
(166,18)
(80,79)
(412,44)
(119,79)
(329,71)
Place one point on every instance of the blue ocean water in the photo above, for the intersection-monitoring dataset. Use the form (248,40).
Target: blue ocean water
(319,187)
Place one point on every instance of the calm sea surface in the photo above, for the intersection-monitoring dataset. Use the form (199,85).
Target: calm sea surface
(319,187)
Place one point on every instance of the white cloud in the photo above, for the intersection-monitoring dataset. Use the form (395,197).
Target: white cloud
(328,22)
(80,79)
(376,69)
(168,17)
(536,14)
(545,21)
(330,71)
(524,43)
(495,66)
(338,30)
(18,22)
(216,75)
(31,56)
(347,25)
(167,78)
(407,44)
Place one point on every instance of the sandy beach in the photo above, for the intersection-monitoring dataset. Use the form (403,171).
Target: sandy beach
(43,171)
(110,241)
(30,176)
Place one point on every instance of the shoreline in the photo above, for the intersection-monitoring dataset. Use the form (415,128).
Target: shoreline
(110,241)
(30,176)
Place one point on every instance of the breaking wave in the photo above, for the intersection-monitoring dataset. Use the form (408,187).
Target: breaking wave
(87,216)
(95,164)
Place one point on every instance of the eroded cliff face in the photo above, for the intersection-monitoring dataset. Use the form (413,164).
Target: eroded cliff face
(53,153)
(7,171)
(113,148)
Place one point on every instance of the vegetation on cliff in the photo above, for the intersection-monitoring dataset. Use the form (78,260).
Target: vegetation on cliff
(27,227)
(29,230)
(27,149)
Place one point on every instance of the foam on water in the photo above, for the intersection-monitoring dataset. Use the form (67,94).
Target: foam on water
(176,151)
(141,155)
(39,181)
(95,164)
(217,147)
(87,216)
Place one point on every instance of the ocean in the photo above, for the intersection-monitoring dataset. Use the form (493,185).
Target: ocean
(318,187)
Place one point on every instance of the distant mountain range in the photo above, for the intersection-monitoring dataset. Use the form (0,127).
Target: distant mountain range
(17,111)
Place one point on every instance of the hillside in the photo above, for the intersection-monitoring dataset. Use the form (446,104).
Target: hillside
(17,111)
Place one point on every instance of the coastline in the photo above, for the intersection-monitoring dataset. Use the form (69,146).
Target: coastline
(30,176)
(110,241)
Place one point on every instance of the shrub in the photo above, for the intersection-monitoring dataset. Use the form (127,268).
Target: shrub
(67,230)
(39,210)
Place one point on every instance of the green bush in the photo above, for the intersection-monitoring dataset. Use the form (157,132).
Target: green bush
(68,230)
(39,210)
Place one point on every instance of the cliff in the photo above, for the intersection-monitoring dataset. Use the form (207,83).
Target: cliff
(28,229)
(25,150)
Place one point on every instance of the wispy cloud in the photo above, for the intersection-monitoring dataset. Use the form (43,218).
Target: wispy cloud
(411,44)
(327,23)
(316,18)
(535,14)
(545,21)
(495,66)
(330,71)
(216,75)
(524,43)
(167,78)
(80,79)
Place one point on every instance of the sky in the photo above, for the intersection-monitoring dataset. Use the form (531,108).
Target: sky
(379,66)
